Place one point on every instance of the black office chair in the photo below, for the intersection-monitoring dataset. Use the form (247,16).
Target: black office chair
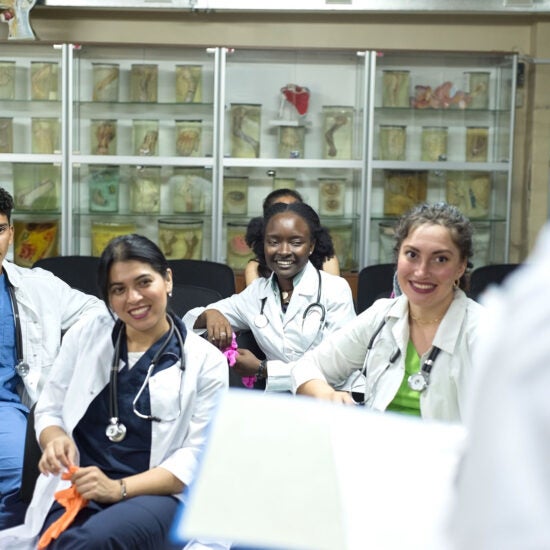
(30,461)
(486,275)
(373,282)
(204,273)
(186,297)
(80,272)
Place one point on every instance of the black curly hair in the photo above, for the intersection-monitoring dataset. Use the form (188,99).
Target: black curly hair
(254,230)
(323,250)
(6,203)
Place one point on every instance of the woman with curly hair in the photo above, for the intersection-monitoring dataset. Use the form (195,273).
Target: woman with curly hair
(416,351)
(291,310)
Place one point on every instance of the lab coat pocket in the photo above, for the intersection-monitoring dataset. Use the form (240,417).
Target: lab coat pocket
(166,393)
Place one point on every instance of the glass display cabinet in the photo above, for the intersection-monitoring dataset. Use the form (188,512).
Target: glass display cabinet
(31,146)
(293,120)
(183,144)
(143,147)
(442,130)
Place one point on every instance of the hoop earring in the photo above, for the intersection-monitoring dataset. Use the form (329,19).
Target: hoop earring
(456,284)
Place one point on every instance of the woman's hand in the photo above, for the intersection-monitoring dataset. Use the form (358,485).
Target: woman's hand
(218,328)
(247,363)
(343,397)
(321,390)
(93,484)
(59,451)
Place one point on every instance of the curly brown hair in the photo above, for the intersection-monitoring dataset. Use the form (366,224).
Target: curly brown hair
(440,213)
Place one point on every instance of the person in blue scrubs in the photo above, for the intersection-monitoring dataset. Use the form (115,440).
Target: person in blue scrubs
(44,307)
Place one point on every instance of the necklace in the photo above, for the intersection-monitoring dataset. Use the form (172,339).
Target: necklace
(285,296)
(427,322)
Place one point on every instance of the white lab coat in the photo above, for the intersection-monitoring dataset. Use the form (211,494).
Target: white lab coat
(344,353)
(80,373)
(503,486)
(287,336)
(47,308)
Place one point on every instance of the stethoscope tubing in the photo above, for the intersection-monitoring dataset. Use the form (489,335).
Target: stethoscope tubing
(423,375)
(21,367)
(261,321)
(113,390)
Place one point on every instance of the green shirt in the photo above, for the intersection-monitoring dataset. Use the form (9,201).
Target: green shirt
(407,401)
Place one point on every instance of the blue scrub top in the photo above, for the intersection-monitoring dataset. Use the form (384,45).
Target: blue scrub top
(9,379)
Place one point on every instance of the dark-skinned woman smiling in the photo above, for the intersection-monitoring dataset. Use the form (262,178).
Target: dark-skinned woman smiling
(293,309)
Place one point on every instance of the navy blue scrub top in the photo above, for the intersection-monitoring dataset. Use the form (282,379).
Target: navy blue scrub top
(132,454)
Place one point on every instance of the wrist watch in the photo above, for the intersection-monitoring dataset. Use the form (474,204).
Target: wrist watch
(262,370)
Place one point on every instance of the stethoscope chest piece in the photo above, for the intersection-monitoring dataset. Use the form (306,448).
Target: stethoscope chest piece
(115,431)
(420,380)
(22,369)
(417,382)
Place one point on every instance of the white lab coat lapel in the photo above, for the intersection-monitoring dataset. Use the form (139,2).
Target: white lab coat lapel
(272,309)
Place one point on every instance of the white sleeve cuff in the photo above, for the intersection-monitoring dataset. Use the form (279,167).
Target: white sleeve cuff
(278,376)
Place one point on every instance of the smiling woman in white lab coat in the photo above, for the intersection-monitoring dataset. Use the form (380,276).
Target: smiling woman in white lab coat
(291,311)
(416,350)
(126,411)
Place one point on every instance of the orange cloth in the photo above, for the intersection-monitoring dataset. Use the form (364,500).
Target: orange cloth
(73,502)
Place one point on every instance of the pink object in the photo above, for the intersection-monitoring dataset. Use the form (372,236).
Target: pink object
(231,353)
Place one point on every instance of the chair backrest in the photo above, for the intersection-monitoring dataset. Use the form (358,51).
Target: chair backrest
(203,273)
(373,282)
(186,297)
(486,275)
(80,272)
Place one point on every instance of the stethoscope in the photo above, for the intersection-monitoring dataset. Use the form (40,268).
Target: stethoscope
(116,430)
(261,321)
(418,381)
(21,367)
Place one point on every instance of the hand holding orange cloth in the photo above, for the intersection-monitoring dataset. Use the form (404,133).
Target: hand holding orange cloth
(73,502)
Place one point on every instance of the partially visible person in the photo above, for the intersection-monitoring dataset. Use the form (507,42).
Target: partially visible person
(503,483)
(290,311)
(416,350)
(254,236)
(36,308)
(125,411)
